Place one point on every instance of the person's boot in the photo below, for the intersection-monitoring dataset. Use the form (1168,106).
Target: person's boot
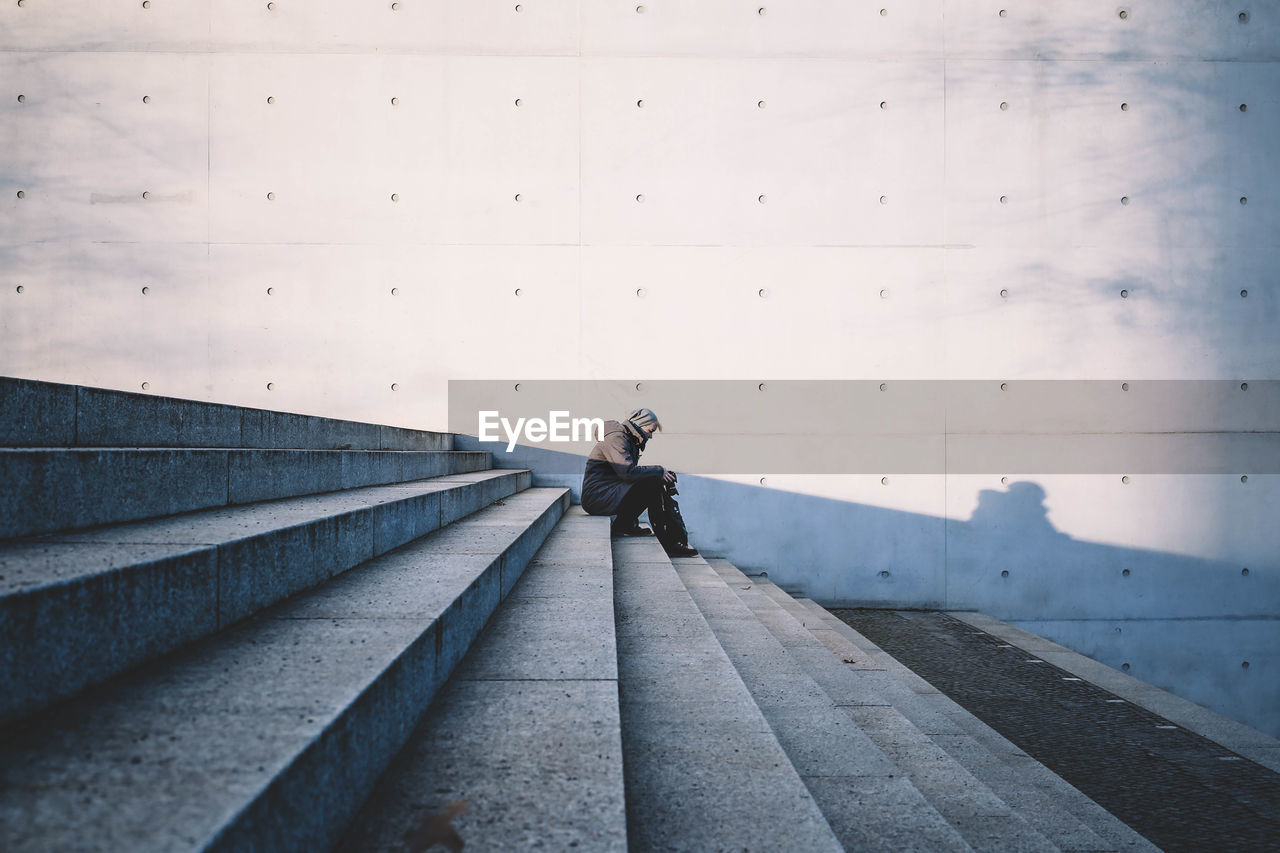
(633,530)
(678,550)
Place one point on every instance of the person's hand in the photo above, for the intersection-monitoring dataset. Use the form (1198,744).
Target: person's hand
(668,477)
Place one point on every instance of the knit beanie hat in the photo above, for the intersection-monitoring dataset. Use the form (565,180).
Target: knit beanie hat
(642,417)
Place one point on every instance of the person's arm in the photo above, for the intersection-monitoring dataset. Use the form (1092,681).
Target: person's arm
(617,452)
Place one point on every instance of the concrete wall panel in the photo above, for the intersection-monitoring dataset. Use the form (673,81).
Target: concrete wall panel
(1095,29)
(113,314)
(541,27)
(1228,665)
(1145,313)
(313,149)
(1065,560)
(822,314)
(683,152)
(369,317)
(841,539)
(95,163)
(758,28)
(91,26)
(1014,132)
(471,27)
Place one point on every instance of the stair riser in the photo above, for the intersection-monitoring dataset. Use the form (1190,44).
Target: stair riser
(270,474)
(34,414)
(43,414)
(257,572)
(523,550)
(55,641)
(458,504)
(54,490)
(102,625)
(406,520)
(308,806)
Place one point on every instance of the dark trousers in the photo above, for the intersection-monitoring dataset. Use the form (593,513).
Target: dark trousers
(644,495)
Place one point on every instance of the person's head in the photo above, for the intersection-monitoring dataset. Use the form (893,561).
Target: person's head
(645,421)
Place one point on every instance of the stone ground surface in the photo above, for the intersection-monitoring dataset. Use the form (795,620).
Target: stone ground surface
(1182,791)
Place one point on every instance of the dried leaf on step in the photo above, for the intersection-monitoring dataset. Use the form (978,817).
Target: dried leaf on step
(437,829)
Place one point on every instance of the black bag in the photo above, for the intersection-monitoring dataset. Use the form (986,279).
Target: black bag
(670,529)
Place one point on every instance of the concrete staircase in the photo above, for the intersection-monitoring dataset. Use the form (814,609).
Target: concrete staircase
(704,710)
(218,625)
(230,629)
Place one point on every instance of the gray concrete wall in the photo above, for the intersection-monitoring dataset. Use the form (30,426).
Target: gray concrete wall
(336,208)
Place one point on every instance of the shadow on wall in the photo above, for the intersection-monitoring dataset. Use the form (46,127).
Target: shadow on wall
(1201,628)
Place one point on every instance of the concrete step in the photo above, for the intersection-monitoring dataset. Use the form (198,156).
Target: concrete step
(527,731)
(76,608)
(984,820)
(703,768)
(48,414)
(54,489)
(269,735)
(1063,812)
(864,796)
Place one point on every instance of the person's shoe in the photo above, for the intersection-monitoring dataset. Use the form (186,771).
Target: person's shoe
(633,530)
(682,552)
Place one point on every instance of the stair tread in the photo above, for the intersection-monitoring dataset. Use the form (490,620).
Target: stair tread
(181,752)
(859,788)
(80,607)
(67,489)
(178,534)
(527,731)
(703,768)
(950,786)
(949,808)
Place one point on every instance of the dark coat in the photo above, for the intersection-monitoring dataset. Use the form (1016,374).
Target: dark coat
(612,469)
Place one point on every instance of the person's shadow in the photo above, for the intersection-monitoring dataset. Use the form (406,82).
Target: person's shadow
(1018,511)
